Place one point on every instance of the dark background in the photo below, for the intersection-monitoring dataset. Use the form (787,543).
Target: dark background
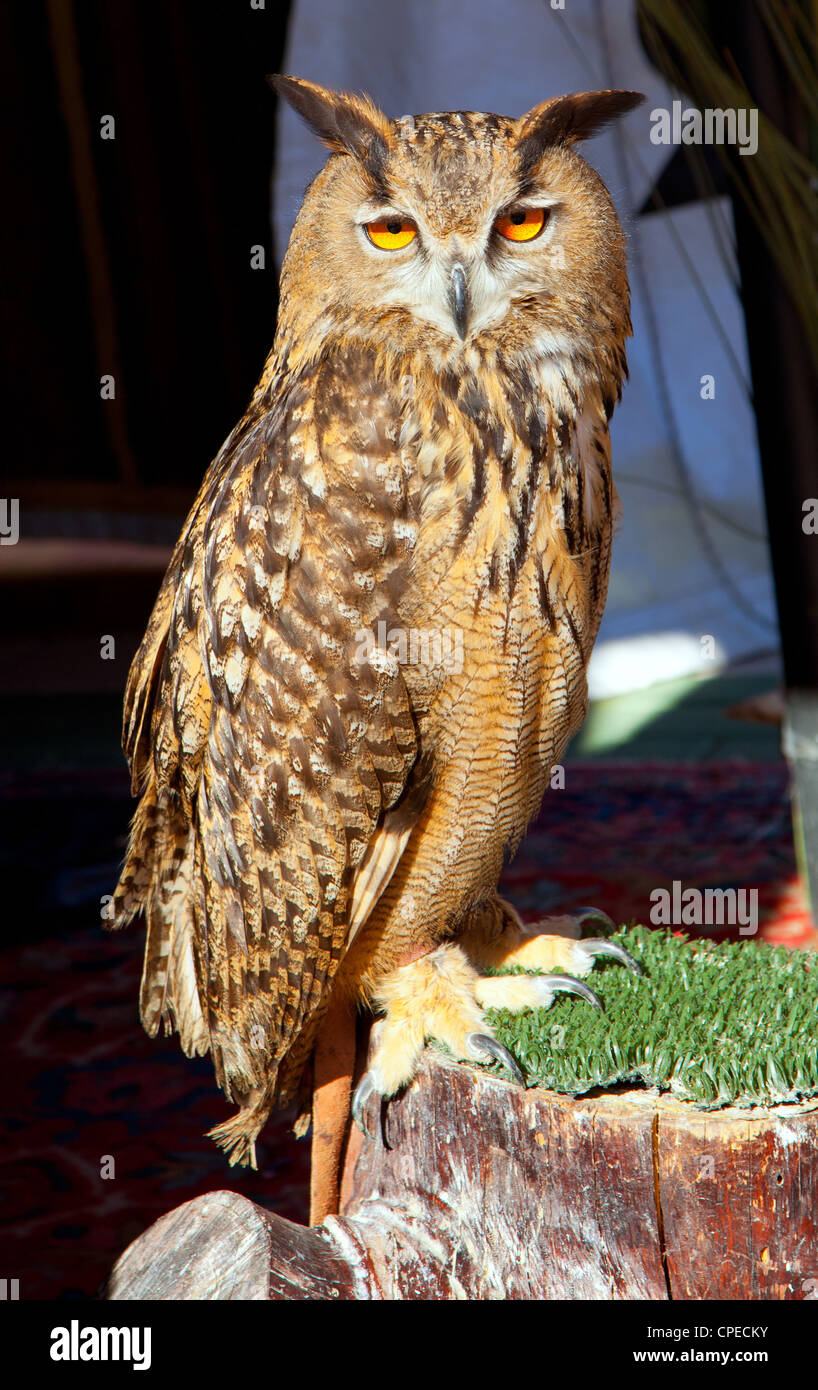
(180,196)
(128,257)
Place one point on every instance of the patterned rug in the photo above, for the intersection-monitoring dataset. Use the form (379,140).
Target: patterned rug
(86,1093)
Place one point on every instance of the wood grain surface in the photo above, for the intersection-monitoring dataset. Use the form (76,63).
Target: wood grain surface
(476,1189)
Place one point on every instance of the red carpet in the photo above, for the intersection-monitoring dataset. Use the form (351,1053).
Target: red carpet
(82,1081)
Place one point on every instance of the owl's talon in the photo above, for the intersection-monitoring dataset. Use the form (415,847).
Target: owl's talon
(601,946)
(481,1044)
(567,984)
(592,914)
(365,1088)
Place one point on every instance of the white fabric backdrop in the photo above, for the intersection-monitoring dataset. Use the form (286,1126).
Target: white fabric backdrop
(680,570)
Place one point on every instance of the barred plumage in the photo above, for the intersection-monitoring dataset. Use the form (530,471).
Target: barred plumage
(427,451)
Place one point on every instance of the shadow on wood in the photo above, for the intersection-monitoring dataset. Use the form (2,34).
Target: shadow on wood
(479,1190)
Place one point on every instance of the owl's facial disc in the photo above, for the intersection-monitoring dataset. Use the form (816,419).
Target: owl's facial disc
(465,220)
(463,277)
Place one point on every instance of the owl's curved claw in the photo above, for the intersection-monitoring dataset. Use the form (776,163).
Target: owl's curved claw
(601,946)
(567,984)
(365,1088)
(481,1045)
(592,914)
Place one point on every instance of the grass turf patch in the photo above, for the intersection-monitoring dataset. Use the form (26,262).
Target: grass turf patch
(730,1023)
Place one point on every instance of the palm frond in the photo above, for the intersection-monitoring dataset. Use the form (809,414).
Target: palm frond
(779,183)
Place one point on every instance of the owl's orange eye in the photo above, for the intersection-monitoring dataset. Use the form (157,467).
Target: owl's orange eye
(391,233)
(521,225)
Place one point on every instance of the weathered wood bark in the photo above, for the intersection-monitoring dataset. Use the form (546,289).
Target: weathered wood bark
(484,1191)
(223,1246)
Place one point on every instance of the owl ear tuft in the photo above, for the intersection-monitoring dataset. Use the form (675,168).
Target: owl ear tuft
(565,120)
(348,124)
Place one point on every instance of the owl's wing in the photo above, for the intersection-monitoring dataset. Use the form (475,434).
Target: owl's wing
(277,779)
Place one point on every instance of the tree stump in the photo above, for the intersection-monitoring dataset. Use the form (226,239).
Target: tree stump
(477,1189)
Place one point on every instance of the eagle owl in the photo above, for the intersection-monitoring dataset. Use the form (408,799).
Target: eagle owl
(370,646)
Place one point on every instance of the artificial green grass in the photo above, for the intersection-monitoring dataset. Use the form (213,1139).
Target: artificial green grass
(733,1023)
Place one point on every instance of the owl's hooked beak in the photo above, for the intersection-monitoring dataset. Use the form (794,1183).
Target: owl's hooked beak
(459,299)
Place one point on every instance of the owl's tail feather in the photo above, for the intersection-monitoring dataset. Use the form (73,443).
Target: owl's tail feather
(136,875)
(237,1136)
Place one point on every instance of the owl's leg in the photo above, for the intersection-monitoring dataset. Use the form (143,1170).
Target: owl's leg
(333,1065)
(496,937)
(433,997)
(441,996)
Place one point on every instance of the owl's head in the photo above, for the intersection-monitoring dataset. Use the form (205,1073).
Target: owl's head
(457,228)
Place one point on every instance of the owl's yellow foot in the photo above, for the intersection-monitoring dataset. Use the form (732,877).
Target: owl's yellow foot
(441,996)
(517,992)
(479,1047)
(552,943)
